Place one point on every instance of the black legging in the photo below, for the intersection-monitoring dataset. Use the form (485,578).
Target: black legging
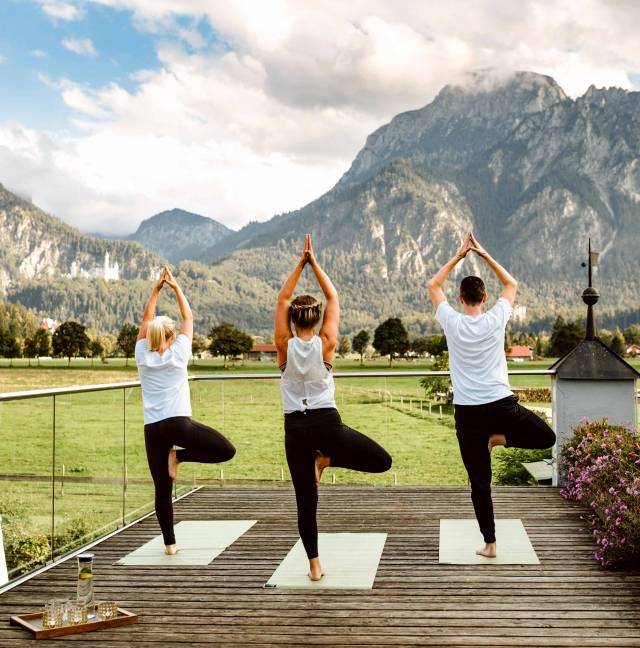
(323,430)
(474,425)
(200,442)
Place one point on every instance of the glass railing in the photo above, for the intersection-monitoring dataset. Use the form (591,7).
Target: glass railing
(74,466)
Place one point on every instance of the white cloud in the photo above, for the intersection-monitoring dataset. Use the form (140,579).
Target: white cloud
(37,53)
(61,10)
(3,59)
(80,46)
(271,124)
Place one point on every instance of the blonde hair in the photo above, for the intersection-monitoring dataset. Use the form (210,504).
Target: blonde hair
(159,330)
(305,311)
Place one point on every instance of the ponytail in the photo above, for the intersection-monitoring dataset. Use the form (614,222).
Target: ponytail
(159,330)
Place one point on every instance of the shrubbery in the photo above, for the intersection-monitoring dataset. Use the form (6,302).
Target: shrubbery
(508,469)
(601,465)
(533,394)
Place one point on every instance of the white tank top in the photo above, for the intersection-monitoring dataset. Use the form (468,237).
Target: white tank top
(306,382)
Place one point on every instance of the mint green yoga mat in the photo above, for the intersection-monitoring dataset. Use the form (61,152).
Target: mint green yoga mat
(200,541)
(350,561)
(459,540)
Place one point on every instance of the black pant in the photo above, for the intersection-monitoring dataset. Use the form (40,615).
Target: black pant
(474,425)
(323,430)
(200,442)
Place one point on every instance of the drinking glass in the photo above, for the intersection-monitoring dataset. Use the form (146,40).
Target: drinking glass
(107,610)
(50,614)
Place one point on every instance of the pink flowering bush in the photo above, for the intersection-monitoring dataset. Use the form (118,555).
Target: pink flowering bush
(601,465)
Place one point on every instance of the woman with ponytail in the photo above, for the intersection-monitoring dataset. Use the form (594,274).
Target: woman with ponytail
(315,436)
(162,358)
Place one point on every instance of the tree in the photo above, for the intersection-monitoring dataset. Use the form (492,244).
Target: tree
(198,345)
(344,345)
(109,343)
(9,347)
(436,345)
(95,349)
(227,340)
(126,341)
(605,336)
(436,386)
(29,349)
(632,334)
(70,340)
(391,338)
(564,337)
(360,343)
(541,346)
(42,341)
(420,346)
(617,344)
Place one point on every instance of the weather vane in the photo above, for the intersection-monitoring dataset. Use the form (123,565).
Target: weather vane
(590,295)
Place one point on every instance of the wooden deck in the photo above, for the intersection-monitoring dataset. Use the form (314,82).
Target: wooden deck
(568,600)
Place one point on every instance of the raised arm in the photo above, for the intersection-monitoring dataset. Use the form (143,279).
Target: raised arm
(150,308)
(510,285)
(282,328)
(183,305)
(331,320)
(434,285)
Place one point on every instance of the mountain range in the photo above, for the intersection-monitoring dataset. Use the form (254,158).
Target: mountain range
(533,172)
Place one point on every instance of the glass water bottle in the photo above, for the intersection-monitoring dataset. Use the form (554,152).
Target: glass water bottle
(85,578)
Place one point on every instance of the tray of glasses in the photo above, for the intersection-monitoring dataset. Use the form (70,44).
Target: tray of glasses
(34,623)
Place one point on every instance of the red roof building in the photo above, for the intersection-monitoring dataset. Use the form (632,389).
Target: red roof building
(519,353)
(263,352)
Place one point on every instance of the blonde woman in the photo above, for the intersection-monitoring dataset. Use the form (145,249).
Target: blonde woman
(162,358)
(315,436)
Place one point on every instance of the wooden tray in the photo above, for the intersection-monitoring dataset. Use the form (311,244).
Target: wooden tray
(33,623)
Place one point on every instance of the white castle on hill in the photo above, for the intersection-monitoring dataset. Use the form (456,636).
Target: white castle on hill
(107,271)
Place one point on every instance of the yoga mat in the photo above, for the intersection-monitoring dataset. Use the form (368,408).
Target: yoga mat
(350,561)
(459,540)
(200,541)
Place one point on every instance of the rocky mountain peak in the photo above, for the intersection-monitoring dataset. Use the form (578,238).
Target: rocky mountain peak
(463,120)
(177,234)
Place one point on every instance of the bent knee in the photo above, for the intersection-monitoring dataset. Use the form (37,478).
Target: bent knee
(384,463)
(229,452)
(550,438)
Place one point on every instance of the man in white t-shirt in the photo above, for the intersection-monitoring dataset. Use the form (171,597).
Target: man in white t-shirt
(486,411)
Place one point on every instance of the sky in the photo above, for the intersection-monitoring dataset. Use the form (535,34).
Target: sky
(113,110)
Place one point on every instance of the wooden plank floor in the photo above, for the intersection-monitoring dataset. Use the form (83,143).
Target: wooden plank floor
(568,600)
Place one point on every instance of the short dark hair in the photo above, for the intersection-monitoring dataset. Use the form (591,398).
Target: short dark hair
(305,311)
(472,290)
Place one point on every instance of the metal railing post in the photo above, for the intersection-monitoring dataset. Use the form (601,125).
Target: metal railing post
(124,454)
(53,478)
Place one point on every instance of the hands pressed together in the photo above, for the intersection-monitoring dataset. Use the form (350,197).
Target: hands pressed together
(470,244)
(166,277)
(308,255)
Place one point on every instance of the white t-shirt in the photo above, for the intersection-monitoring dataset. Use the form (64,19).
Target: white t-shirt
(165,387)
(306,382)
(476,353)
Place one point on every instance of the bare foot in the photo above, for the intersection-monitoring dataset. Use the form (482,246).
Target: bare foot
(173,464)
(496,440)
(322,462)
(488,551)
(315,569)
(171,550)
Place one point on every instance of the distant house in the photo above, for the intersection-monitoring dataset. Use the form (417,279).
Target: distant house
(49,324)
(263,352)
(633,351)
(520,353)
